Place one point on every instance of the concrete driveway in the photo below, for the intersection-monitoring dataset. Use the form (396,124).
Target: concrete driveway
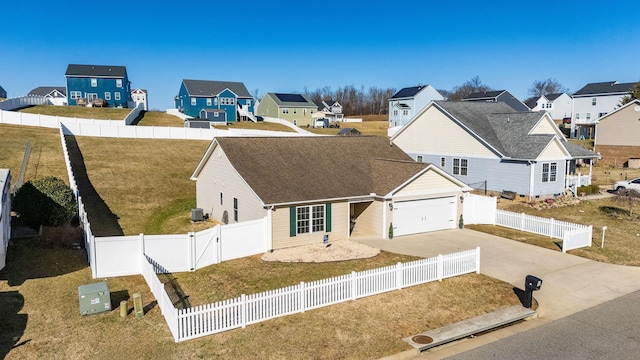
(570,283)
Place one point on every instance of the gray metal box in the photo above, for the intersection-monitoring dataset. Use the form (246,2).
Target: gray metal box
(196,214)
(94,298)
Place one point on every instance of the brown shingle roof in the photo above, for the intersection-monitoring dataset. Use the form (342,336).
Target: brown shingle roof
(301,169)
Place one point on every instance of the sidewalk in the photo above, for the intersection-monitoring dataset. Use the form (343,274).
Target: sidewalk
(570,283)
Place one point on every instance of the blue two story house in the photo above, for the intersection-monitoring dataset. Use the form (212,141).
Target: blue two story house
(98,85)
(230,100)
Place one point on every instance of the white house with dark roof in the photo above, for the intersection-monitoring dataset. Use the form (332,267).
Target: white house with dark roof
(298,109)
(498,96)
(140,96)
(592,102)
(558,105)
(409,101)
(488,145)
(331,109)
(56,95)
(307,193)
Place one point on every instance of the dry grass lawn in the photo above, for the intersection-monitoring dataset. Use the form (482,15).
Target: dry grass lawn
(79,112)
(158,118)
(40,315)
(262,125)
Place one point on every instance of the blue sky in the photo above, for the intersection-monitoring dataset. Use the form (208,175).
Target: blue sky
(285,46)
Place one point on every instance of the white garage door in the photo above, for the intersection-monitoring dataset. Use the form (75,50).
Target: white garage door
(418,216)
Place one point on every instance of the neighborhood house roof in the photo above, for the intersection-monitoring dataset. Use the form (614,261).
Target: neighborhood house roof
(293,100)
(77,70)
(552,97)
(206,88)
(46,90)
(532,102)
(408,92)
(485,95)
(505,130)
(284,170)
(3,93)
(608,87)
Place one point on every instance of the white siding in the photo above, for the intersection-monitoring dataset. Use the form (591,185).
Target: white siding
(584,105)
(218,175)
(435,133)
(561,107)
(416,104)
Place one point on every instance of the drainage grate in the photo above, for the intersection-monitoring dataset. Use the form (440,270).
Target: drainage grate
(422,339)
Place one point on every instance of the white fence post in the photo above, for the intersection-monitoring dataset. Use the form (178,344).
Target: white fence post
(399,276)
(302,297)
(243,299)
(478,260)
(522,215)
(353,286)
(440,267)
(552,229)
(142,250)
(192,251)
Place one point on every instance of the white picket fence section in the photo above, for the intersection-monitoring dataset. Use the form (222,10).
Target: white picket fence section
(572,235)
(244,310)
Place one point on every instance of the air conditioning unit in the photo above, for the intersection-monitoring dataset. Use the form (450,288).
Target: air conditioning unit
(196,215)
(94,298)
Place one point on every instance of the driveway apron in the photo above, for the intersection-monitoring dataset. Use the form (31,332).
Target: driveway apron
(569,283)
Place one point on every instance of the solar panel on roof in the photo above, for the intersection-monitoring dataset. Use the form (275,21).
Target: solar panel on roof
(291,98)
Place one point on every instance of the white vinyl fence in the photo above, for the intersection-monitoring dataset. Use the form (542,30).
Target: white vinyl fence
(478,209)
(244,310)
(133,114)
(24,101)
(5,214)
(573,236)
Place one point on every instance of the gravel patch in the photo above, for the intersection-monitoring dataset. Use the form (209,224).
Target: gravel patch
(335,251)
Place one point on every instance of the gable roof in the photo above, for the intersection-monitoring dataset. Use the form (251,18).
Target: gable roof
(292,100)
(408,92)
(484,95)
(605,88)
(96,71)
(208,88)
(46,90)
(505,131)
(552,97)
(369,164)
(532,102)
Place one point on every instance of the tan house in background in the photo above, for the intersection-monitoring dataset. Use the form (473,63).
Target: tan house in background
(618,134)
(295,108)
(307,193)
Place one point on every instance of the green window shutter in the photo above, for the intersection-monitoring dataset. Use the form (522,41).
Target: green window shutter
(292,221)
(327,216)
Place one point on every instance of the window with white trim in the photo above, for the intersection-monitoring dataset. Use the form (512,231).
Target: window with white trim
(295,111)
(419,158)
(119,83)
(75,94)
(116,96)
(460,167)
(443,162)
(193,101)
(107,95)
(209,102)
(310,219)
(588,116)
(395,112)
(94,82)
(405,112)
(549,172)
(285,111)
(594,101)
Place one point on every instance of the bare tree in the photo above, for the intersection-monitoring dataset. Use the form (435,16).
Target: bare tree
(472,86)
(634,93)
(547,86)
(628,196)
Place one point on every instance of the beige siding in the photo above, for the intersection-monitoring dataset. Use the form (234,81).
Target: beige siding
(339,228)
(552,152)
(545,126)
(218,176)
(435,133)
(370,219)
(268,107)
(428,183)
(621,128)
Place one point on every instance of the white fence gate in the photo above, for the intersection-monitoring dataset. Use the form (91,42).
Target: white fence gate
(478,209)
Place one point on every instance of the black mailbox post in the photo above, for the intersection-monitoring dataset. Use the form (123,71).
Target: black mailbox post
(531,284)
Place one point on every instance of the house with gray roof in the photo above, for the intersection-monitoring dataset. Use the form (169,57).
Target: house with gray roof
(409,101)
(498,96)
(98,84)
(56,95)
(231,97)
(488,145)
(558,105)
(306,192)
(298,109)
(592,102)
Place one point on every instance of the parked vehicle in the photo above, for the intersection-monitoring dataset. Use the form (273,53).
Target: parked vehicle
(566,120)
(630,184)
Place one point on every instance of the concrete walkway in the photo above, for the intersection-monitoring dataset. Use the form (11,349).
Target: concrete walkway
(570,283)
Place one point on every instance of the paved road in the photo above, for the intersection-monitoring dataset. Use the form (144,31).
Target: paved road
(607,331)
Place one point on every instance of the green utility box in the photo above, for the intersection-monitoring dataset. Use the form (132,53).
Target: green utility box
(94,298)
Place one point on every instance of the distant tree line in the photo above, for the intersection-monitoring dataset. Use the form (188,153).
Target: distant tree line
(354,101)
